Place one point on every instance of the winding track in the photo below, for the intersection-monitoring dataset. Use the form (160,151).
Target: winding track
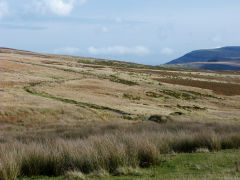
(29,89)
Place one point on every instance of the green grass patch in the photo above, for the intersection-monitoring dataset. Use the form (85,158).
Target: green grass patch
(131,97)
(153,94)
(190,108)
(220,165)
(178,95)
(201,95)
(122,81)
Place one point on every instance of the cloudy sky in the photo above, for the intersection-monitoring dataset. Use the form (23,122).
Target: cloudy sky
(144,31)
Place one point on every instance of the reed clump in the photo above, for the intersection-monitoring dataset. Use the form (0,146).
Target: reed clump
(138,145)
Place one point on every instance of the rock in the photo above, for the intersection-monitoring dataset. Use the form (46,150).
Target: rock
(158,118)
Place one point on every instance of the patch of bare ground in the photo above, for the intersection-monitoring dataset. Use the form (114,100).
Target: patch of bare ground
(12,66)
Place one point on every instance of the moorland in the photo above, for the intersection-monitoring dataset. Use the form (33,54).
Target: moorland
(67,117)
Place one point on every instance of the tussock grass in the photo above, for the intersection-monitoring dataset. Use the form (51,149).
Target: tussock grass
(128,171)
(101,173)
(131,97)
(122,81)
(74,175)
(101,151)
(178,95)
(153,94)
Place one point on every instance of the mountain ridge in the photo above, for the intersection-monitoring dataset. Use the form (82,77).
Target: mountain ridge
(225,58)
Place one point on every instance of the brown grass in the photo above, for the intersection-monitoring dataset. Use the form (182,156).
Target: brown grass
(11,66)
(227,89)
(68,78)
(52,62)
(4,84)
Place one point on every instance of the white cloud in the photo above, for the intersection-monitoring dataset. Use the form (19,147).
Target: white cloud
(58,7)
(105,29)
(118,20)
(216,39)
(167,51)
(119,50)
(3,9)
(67,50)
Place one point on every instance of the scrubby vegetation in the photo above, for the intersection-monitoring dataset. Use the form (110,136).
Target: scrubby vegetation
(189,108)
(131,97)
(122,81)
(178,95)
(200,95)
(153,94)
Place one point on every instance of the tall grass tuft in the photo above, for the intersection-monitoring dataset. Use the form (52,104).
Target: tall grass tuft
(139,145)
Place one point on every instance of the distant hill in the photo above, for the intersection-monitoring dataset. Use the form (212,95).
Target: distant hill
(226,58)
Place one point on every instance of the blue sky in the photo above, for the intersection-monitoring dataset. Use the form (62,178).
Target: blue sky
(143,31)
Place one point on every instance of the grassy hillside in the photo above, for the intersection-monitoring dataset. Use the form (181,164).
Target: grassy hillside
(64,116)
(210,55)
(226,58)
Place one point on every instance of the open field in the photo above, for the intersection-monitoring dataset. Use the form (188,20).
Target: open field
(61,114)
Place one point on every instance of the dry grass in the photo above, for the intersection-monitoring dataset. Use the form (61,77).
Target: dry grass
(205,75)
(75,175)
(72,79)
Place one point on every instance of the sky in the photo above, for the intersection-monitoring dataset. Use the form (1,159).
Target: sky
(141,31)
